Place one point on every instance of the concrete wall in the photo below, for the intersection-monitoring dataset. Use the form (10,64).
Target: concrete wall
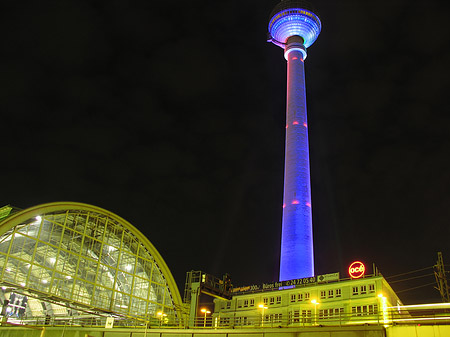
(353,331)
(359,331)
(418,331)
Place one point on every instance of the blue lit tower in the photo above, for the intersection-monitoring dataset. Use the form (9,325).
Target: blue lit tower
(294,27)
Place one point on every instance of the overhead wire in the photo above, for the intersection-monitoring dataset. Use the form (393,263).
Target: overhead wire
(409,272)
(411,278)
(424,285)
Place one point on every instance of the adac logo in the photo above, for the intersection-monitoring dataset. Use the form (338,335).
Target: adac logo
(356,269)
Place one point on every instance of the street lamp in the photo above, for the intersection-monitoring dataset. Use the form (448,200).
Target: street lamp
(161,316)
(263,307)
(384,309)
(314,301)
(205,312)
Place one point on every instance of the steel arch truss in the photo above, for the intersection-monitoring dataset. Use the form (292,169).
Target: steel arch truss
(80,259)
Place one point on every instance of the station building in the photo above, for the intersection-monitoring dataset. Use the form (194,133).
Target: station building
(67,263)
(322,300)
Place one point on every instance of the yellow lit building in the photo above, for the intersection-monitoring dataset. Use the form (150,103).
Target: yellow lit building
(327,303)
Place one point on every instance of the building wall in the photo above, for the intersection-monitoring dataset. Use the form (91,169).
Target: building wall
(342,302)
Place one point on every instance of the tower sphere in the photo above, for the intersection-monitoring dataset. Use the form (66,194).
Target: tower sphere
(294,18)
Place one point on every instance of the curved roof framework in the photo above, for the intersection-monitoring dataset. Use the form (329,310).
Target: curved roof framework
(71,260)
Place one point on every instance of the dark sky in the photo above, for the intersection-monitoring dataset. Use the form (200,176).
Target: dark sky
(171,115)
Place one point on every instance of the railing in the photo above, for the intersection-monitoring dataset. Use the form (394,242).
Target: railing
(91,321)
(292,321)
(382,318)
(392,316)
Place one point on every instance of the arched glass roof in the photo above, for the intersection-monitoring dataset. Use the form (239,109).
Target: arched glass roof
(71,261)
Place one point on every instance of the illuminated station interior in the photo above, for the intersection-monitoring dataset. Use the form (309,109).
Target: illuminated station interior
(71,262)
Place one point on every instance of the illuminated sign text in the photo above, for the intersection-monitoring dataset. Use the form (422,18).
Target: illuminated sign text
(356,269)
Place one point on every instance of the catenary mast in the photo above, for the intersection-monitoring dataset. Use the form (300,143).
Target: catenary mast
(294,27)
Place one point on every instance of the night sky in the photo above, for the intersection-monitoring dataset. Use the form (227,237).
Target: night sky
(172,115)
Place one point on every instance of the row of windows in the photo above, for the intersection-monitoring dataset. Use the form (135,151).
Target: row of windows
(251,302)
(300,316)
(273,318)
(300,297)
(362,290)
(272,300)
(365,310)
(244,320)
(331,313)
(330,293)
(243,303)
(305,296)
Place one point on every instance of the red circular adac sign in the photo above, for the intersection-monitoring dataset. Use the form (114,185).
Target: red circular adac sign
(356,269)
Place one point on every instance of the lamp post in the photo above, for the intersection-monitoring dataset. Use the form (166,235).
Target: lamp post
(161,316)
(263,307)
(384,309)
(205,312)
(314,301)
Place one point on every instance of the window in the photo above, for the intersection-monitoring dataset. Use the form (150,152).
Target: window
(242,321)
(330,313)
(228,304)
(306,316)
(330,293)
(225,321)
(245,303)
(252,302)
(306,296)
(338,312)
(277,318)
(300,297)
(278,299)
(265,300)
(274,318)
(322,313)
(294,316)
(293,298)
(371,288)
(372,309)
(323,294)
(239,303)
(365,310)
(272,300)
(363,290)
(338,293)
(355,291)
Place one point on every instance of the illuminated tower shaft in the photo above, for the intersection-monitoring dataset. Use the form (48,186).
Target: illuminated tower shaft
(294,27)
(297,259)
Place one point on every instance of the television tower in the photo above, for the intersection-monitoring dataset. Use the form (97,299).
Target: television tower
(293,26)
